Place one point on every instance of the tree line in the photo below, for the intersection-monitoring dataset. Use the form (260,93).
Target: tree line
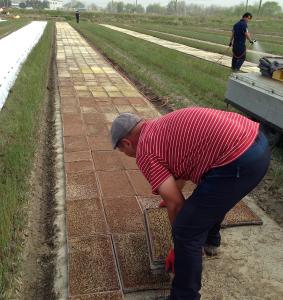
(174,7)
(180,8)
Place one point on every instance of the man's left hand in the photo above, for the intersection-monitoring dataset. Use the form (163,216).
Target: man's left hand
(170,260)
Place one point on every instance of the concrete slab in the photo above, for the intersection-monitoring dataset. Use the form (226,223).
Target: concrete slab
(115,183)
(158,235)
(93,118)
(99,142)
(133,262)
(123,215)
(241,214)
(75,143)
(91,265)
(73,128)
(129,163)
(85,217)
(77,156)
(139,183)
(107,161)
(79,166)
(100,296)
(149,202)
(81,186)
(98,129)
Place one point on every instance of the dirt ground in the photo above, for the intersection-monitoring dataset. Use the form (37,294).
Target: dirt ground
(270,200)
(250,264)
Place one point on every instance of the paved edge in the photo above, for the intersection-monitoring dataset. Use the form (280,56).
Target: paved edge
(61,275)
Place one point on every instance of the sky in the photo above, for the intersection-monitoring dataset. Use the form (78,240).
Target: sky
(103,3)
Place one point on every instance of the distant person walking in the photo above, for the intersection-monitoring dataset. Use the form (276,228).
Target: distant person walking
(238,40)
(78,16)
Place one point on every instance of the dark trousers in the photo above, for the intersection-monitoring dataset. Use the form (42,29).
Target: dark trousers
(239,56)
(199,220)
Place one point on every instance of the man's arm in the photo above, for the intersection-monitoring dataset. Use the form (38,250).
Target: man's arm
(173,197)
(248,36)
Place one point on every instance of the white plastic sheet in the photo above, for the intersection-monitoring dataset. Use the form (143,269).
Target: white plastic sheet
(14,50)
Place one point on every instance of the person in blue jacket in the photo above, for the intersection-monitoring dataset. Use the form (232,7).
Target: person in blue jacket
(238,40)
(77,16)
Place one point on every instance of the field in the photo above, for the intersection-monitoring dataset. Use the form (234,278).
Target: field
(10,26)
(170,79)
(19,123)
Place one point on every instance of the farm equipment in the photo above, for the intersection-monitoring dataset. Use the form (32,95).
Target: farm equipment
(260,95)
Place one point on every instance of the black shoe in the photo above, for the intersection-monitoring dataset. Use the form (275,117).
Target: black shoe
(235,70)
(211,250)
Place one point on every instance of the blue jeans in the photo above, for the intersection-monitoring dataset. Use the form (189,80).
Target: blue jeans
(198,222)
(239,56)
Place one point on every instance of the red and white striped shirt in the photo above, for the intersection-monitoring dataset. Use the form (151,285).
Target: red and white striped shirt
(188,142)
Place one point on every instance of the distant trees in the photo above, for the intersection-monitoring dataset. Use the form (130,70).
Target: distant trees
(92,7)
(271,8)
(172,7)
(180,8)
(5,3)
(121,7)
(155,9)
(74,4)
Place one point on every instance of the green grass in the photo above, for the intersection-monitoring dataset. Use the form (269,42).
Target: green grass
(195,44)
(10,26)
(19,123)
(167,72)
(269,44)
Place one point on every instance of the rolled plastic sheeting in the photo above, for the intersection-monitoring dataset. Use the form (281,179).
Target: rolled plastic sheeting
(14,50)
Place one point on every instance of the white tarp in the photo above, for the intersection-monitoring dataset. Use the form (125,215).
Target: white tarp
(14,50)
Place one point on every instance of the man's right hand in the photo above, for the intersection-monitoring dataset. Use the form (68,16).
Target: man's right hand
(230,44)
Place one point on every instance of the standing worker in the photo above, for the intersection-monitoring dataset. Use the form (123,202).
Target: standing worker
(238,39)
(222,152)
(77,16)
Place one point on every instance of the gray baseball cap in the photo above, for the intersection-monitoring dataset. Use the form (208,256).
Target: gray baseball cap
(122,125)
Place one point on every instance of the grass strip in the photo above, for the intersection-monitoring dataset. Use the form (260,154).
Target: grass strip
(19,123)
(167,72)
(10,26)
(273,47)
(195,44)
